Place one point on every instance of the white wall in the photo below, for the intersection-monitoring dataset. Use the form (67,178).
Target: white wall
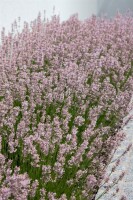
(28,9)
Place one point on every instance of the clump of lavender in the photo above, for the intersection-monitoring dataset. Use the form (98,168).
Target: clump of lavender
(64,91)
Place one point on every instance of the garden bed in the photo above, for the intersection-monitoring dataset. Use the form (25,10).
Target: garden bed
(65,89)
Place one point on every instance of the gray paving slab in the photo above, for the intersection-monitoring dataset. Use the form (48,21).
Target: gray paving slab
(126,184)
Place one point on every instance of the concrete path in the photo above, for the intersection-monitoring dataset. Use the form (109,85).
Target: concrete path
(126,184)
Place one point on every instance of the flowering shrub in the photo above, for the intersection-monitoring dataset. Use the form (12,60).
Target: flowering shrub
(64,91)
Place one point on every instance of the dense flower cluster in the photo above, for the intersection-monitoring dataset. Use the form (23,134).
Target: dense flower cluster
(65,88)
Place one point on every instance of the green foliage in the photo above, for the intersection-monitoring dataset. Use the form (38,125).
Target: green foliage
(1,98)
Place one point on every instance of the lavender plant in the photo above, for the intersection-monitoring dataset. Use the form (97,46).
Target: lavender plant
(64,90)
